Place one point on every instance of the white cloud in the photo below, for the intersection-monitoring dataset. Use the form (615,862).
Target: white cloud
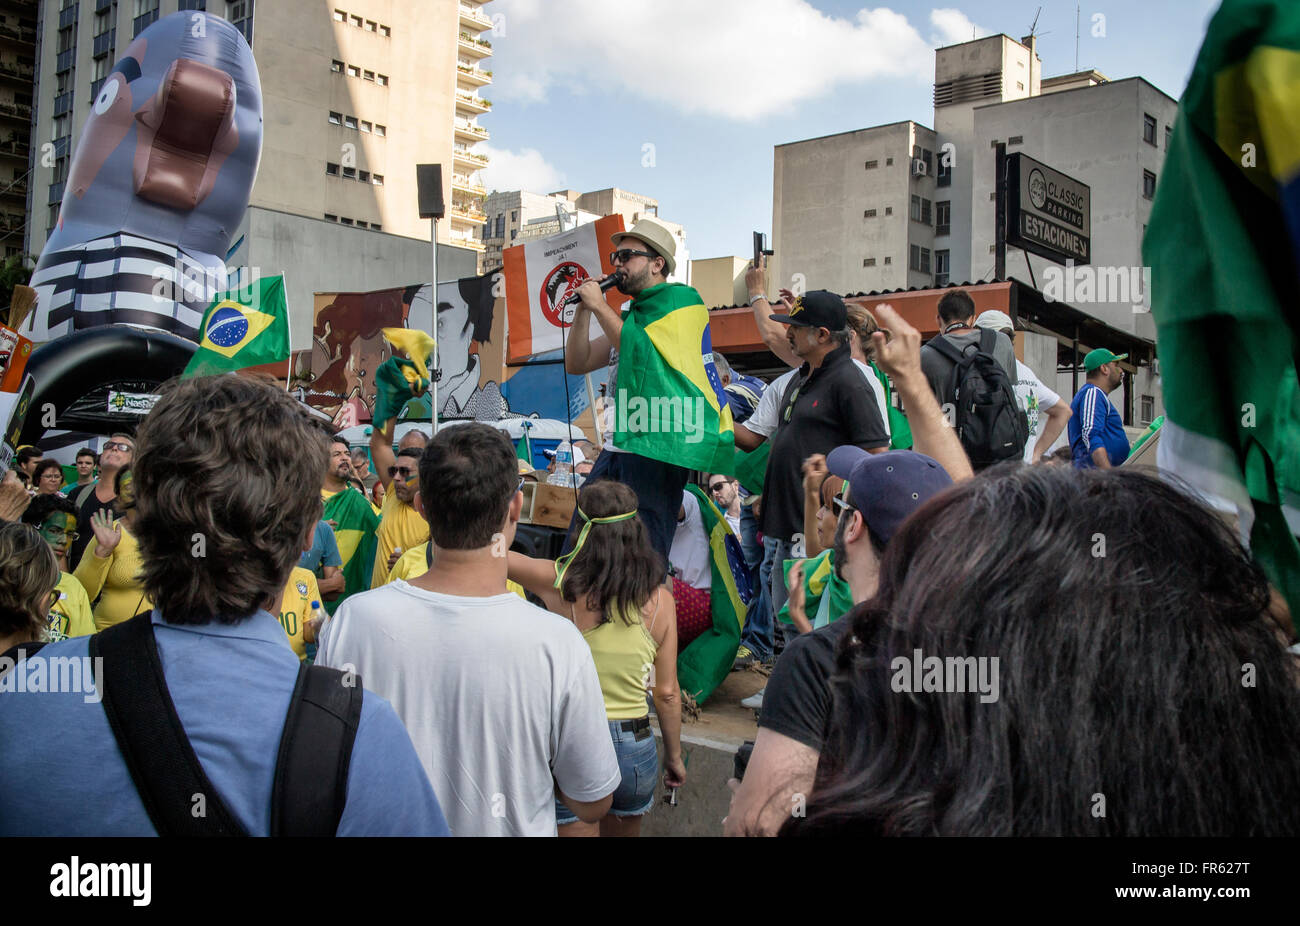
(731,58)
(525,169)
(953,27)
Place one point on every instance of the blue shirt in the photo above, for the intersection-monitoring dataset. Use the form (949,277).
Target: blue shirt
(324,550)
(1096,423)
(62,773)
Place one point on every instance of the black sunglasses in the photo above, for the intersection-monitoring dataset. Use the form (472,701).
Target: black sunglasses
(393,471)
(623,255)
(718,486)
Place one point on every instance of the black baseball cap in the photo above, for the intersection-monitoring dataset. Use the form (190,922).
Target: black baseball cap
(817,309)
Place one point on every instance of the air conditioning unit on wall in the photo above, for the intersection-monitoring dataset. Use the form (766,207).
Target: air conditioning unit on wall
(918,167)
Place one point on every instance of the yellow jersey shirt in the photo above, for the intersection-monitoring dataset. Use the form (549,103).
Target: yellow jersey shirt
(114,581)
(414,562)
(402,526)
(295,607)
(70,614)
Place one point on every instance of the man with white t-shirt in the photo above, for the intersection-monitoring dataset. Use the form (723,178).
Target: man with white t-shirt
(500,697)
(1034,397)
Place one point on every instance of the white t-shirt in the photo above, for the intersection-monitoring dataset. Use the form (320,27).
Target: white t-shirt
(766,416)
(689,553)
(500,698)
(1033,397)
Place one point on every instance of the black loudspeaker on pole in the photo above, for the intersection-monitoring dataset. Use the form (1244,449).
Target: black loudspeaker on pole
(428,182)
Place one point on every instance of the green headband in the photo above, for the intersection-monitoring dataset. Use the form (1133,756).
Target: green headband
(564,562)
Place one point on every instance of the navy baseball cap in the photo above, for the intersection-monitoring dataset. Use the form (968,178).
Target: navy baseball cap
(817,309)
(887,487)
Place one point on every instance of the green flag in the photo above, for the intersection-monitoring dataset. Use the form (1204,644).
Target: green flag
(355,533)
(826,596)
(1223,245)
(751,466)
(524,449)
(703,665)
(670,404)
(243,328)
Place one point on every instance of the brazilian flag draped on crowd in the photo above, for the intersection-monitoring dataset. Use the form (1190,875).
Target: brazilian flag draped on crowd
(1223,245)
(671,405)
(243,328)
(357,523)
(703,664)
(826,596)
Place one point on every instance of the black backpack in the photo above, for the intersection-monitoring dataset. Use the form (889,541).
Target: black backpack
(309,789)
(990,422)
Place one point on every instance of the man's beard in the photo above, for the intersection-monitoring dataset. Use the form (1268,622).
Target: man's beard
(632,285)
(839,545)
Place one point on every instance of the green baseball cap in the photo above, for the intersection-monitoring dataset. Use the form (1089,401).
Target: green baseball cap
(1096,358)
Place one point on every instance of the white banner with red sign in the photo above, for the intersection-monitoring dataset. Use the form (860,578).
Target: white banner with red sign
(542,274)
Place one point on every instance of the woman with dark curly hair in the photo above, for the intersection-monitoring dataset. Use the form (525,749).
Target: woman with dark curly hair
(1141,685)
(28,576)
(47,478)
(610,587)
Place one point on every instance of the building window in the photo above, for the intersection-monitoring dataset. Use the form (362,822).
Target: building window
(356,21)
(943,217)
(336,66)
(869,213)
(377,179)
(381,79)
(340,17)
(920,209)
(349,122)
(944,177)
(385,31)
(375,226)
(331,218)
(346,221)
(868,262)
(354,71)
(370,25)
(501,227)
(1148,184)
(349,173)
(361,224)
(1019,85)
(381,130)
(1169,134)
(336,118)
(145,6)
(888,260)
(99,68)
(920,259)
(365,126)
(1148,409)
(363,176)
(1148,129)
(332,170)
(889,162)
(1016,140)
(889,210)
(871,165)
(368,75)
(941,268)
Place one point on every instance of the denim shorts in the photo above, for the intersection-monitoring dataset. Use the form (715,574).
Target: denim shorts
(638,763)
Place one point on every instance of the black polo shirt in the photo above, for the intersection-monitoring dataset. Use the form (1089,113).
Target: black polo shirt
(829,406)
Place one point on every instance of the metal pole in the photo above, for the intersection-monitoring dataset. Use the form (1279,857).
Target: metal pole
(433,363)
(1000,232)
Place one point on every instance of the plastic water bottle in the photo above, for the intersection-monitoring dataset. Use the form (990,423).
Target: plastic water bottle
(563,475)
(321,617)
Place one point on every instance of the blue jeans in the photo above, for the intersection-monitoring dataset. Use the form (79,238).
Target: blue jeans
(780,553)
(638,763)
(760,617)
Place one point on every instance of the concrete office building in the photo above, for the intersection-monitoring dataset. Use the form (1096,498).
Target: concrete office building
(17,77)
(720,281)
(355,94)
(844,204)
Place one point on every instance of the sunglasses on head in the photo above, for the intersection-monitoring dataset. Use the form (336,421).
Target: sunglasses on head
(623,255)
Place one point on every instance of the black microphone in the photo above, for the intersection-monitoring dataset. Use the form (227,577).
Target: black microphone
(606,285)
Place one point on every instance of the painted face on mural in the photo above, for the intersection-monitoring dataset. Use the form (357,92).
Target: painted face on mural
(454,333)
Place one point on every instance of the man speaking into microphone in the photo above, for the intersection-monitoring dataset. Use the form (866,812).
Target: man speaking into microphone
(670,411)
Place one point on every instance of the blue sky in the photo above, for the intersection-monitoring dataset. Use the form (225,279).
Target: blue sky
(582,87)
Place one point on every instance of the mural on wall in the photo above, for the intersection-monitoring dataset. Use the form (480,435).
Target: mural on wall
(473,380)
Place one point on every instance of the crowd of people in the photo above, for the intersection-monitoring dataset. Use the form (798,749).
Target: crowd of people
(1111,660)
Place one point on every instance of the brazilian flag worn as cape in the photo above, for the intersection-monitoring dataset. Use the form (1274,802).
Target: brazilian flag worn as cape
(703,665)
(1223,244)
(357,523)
(826,597)
(670,404)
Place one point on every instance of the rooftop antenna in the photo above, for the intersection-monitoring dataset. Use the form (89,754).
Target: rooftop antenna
(1076,38)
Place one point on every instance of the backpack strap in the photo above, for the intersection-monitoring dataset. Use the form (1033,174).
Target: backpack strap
(311,772)
(158,754)
(946,348)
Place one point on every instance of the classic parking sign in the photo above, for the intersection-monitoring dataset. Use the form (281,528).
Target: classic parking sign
(1048,213)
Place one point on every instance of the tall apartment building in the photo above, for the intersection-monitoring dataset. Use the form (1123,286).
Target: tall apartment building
(355,93)
(17,75)
(517,215)
(854,213)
